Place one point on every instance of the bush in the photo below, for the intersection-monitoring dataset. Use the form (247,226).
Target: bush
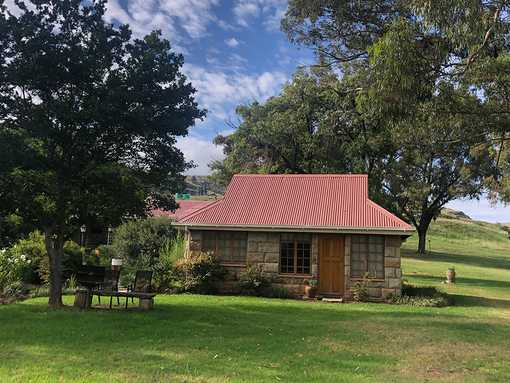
(139,242)
(16,290)
(12,268)
(421,296)
(165,277)
(253,282)
(33,248)
(71,261)
(360,290)
(199,273)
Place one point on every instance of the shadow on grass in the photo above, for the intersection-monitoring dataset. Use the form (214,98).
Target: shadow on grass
(471,260)
(471,282)
(473,301)
(210,337)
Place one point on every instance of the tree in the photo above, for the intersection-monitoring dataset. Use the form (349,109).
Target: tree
(139,242)
(89,120)
(311,127)
(423,63)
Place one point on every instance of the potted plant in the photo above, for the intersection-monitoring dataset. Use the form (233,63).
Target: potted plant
(310,288)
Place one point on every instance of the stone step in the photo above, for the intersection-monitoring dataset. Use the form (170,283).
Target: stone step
(333,300)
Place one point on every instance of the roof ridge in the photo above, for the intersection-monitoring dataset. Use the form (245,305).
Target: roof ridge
(325,175)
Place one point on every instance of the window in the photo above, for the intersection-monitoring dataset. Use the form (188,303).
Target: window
(227,246)
(367,256)
(295,254)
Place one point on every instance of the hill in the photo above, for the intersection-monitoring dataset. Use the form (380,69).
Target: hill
(479,252)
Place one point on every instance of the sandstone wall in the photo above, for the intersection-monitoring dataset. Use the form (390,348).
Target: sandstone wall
(263,250)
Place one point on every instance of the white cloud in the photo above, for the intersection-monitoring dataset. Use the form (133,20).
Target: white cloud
(144,16)
(201,151)
(271,10)
(232,42)
(219,92)
(194,15)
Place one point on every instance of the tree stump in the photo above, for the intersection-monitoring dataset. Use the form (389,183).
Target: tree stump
(82,299)
(146,304)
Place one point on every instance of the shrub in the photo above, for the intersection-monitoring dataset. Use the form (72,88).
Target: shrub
(253,282)
(164,270)
(421,296)
(71,261)
(16,290)
(199,273)
(360,290)
(139,242)
(12,268)
(34,249)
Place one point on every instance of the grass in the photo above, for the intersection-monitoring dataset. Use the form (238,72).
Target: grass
(191,338)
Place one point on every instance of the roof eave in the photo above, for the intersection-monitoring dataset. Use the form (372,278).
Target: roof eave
(311,229)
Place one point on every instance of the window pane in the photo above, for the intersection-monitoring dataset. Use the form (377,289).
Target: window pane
(303,258)
(287,257)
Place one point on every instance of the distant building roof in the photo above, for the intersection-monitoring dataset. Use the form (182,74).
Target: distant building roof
(186,207)
(315,202)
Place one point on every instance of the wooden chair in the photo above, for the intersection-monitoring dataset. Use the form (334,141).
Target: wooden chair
(142,285)
(109,287)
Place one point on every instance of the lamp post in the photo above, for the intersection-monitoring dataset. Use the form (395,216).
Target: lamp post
(83,230)
(109,235)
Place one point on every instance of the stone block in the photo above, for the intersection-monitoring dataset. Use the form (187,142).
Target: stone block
(398,273)
(252,258)
(252,246)
(392,262)
(374,292)
(270,267)
(390,252)
(272,257)
(393,283)
(387,292)
(389,272)
(393,242)
(269,247)
(257,236)
(315,269)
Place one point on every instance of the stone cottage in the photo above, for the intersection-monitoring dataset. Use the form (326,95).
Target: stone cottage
(301,227)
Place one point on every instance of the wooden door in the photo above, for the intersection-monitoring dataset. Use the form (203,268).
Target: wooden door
(331,264)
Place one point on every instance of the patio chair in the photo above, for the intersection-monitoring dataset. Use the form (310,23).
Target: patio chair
(109,287)
(142,285)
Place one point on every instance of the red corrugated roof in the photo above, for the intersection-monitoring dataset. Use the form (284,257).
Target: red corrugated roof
(186,207)
(314,201)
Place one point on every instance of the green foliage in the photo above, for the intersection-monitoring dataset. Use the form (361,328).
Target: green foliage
(91,136)
(14,291)
(421,296)
(139,242)
(34,249)
(12,268)
(360,289)
(165,277)
(252,281)
(199,273)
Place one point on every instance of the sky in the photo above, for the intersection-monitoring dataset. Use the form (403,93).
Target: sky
(234,54)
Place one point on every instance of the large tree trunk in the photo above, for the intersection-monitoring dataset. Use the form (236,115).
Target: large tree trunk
(422,229)
(422,241)
(55,248)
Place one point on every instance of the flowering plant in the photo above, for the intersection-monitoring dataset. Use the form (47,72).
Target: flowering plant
(11,267)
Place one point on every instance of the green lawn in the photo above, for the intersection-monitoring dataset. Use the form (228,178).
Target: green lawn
(239,339)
